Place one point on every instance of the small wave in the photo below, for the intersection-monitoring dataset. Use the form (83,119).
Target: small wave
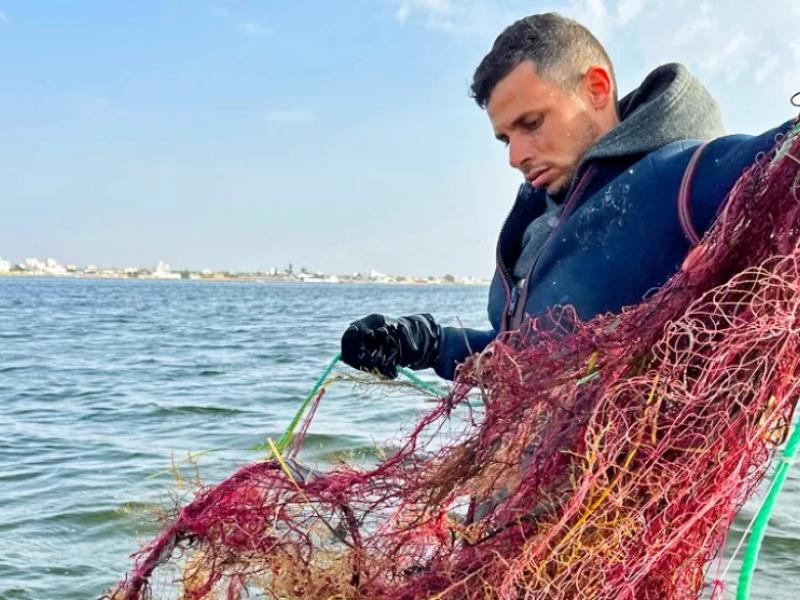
(84,519)
(115,319)
(14,336)
(210,373)
(95,394)
(16,368)
(146,361)
(215,347)
(196,410)
(776,543)
(100,516)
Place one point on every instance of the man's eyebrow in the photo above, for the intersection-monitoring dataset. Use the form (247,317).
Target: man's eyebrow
(524,117)
(517,122)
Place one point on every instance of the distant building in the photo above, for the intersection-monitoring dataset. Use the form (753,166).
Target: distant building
(163,271)
(53,267)
(317,278)
(33,264)
(5,266)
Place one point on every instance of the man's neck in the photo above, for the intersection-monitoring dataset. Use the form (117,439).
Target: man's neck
(559,196)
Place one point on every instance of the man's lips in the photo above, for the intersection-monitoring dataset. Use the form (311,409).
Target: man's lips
(538,177)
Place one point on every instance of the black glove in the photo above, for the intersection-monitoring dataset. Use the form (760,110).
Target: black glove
(380,343)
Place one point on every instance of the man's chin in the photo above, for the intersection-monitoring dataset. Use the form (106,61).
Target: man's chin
(557,188)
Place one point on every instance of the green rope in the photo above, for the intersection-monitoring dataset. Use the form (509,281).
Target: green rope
(428,387)
(287,435)
(764,512)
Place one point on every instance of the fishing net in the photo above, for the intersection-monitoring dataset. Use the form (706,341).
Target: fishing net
(599,459)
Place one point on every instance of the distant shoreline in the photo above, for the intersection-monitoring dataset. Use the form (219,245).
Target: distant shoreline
(250,279)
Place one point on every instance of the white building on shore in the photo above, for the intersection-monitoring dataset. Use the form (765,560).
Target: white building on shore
(33,265)
(163,271)
(317,278)
(53,267)
(5,265)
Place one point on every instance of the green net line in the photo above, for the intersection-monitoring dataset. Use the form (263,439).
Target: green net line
(286,438)
(762,516)
(287,435)
(424,385)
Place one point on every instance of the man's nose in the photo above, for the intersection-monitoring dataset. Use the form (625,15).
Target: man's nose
(518,153)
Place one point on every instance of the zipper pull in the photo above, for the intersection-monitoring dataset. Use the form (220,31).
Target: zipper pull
(512,306)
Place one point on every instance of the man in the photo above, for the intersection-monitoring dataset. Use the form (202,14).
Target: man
(601,219)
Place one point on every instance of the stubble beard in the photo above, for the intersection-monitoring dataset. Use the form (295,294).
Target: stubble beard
(590,134)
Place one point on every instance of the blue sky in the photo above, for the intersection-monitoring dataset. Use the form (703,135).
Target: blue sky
(336,135)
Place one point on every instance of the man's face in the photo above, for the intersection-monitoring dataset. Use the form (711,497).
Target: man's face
(547,129)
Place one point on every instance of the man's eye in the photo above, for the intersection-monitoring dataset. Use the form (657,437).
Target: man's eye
(532,124)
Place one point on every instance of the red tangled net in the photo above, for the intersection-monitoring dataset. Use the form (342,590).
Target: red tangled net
(607,461)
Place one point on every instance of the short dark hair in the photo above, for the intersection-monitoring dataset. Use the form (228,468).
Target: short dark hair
(560,48)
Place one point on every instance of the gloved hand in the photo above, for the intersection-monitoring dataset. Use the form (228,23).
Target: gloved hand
(380,343)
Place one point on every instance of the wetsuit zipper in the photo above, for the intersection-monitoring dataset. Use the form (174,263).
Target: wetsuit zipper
(512,294)
(512,305)
(518,294)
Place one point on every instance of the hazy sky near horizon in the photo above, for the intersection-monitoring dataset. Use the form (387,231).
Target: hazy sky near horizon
(337,135)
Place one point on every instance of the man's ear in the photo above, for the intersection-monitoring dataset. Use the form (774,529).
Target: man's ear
(598,87)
